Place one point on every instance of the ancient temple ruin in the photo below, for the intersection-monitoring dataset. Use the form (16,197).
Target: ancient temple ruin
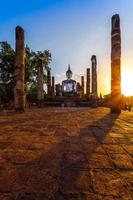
(69,90)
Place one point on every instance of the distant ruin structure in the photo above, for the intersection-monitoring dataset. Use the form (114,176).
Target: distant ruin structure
(58,88)
(19,75)
(82,86)
(116,99)
(88,82)
(40,91)
(53,86)
(49,88)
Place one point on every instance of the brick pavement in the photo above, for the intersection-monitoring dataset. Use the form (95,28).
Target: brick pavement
(66,154)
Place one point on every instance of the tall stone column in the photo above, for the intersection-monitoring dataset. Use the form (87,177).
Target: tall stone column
(116,100)
(94,76)
(40,93)
(49,83)
(19,79)
(82,86)
(53,86)
(88,82)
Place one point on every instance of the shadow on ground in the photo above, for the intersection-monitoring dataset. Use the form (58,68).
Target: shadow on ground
(67,167)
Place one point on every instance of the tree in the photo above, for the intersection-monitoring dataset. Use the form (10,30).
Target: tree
(45,57)
(7,61)
(32,67)
(7,56)
(29,65)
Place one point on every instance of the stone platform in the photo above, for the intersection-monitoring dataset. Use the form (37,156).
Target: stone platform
(66,154)
(65,101)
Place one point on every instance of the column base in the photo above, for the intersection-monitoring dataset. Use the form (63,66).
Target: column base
(115,110)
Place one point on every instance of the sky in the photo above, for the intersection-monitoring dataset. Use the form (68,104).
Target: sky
(73,30)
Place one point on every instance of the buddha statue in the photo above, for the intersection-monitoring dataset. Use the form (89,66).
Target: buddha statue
(69,85)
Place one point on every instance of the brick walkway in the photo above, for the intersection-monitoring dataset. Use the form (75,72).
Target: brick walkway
(60,154)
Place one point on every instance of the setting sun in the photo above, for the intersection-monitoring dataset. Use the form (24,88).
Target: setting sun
(127,83)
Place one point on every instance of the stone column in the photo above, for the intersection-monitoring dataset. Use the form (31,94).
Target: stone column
(58,89)
(19,79)
(40,93)
(116,100)
(53,86)
(78,86)
(82,86)
(88,82)
(94,76)
(49,83)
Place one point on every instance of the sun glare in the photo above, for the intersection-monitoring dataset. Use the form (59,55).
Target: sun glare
(127,83)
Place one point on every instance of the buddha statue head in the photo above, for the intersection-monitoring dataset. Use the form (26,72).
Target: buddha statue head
(69,73)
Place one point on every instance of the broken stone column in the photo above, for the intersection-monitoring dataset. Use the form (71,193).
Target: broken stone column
(49,83)
(82,86)
(40,92)
(116,100)
(53,86)
(78,87)
(58,89)
(94,76)
(88,83)
(19,74)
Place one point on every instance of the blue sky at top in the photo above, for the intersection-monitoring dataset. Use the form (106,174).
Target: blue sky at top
(72,30)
